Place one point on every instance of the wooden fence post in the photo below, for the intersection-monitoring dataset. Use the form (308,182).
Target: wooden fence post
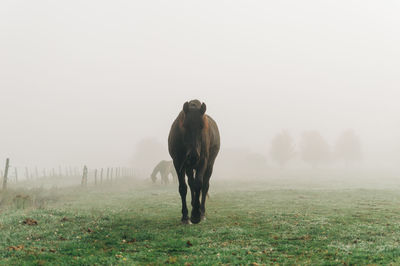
(84,176)
(101,176)
(108,174)
(95,177)
(6,174)
(16,174)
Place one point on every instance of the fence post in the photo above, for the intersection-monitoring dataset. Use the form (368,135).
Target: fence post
(16,174)
(95,177)
(5,174)
(101,176)
(84,176)
(37,173)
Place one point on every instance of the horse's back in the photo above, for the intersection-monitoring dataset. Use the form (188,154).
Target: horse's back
(174,138)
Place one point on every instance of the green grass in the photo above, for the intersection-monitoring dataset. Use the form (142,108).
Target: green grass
(263,224)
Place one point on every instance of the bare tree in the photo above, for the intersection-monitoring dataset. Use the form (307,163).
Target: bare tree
(282,148)
(314,149)
(348,147)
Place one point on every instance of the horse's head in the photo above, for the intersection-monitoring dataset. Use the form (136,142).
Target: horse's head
(193,124)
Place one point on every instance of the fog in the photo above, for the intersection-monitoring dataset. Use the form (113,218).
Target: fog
(85,82)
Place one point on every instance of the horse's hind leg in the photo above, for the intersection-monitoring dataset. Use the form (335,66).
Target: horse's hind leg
(165,178)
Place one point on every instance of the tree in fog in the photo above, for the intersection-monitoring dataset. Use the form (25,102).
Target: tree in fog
(348,147)
(313,148)
(148,152)
(282,148)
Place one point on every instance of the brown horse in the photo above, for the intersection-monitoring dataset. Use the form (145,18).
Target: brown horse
(193,144)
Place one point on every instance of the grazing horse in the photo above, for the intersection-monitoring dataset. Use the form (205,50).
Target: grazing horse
(165,168)
(193,144)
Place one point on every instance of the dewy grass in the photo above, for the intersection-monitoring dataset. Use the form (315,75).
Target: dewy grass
(140,224)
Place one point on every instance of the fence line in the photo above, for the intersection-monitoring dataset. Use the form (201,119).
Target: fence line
(94,176)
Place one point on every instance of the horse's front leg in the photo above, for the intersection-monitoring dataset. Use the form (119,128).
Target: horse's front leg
(182,192)
(204,191)
(195,216)
(189,173)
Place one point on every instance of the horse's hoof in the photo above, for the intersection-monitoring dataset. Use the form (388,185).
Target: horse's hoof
(186,221)
(203,218)
(195,220)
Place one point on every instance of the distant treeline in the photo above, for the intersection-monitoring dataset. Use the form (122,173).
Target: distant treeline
(314,149)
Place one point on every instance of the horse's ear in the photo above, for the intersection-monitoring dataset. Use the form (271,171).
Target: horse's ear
(203,108)
(186,107)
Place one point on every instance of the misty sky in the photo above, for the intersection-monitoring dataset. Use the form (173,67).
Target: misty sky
(84,81)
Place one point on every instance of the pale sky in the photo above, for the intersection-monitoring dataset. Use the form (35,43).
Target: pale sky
(84,81)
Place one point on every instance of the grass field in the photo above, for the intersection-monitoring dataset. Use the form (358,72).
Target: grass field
(279,222)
